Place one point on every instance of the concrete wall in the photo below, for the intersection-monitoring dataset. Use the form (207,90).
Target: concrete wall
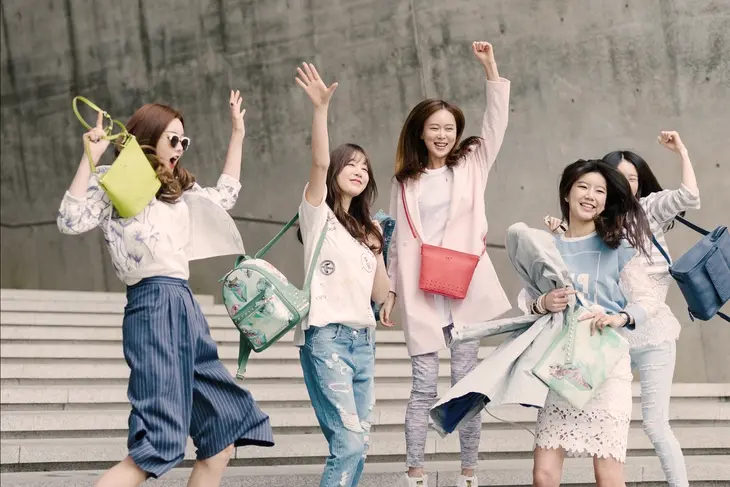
(587,77)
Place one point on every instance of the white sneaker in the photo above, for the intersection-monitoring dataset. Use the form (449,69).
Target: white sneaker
(414,481)
(468,481)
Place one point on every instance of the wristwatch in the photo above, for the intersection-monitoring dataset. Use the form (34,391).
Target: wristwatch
(627,316)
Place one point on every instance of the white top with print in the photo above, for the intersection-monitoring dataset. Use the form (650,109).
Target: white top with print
(164,237)
(343,278)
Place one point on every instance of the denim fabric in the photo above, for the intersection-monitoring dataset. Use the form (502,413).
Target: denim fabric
(656,370)
(338,364)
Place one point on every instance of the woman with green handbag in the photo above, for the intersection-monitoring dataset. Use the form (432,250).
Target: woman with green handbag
(605,248)
(178,387)
(653,346)
(336,338)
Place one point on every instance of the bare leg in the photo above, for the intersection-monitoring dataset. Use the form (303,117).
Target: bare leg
(209,472)
(609,472)
(547,469)
(124,474)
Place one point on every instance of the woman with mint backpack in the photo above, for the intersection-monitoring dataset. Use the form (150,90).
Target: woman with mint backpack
(346,247)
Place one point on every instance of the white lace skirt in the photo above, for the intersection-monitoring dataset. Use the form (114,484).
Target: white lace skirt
(600,429)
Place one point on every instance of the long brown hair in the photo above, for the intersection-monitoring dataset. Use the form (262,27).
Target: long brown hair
(148,124)
(357,219)
(622,217)
(412,155)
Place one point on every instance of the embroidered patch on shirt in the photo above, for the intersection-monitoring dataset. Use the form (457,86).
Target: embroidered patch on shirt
(327,267)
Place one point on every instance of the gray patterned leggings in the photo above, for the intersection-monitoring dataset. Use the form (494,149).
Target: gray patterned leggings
(464,358)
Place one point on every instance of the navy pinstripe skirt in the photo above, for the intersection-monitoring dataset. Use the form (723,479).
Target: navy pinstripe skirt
(178,387)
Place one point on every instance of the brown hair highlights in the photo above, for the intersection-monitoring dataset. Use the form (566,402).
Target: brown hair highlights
(357,220)
(412,155)
(148,124)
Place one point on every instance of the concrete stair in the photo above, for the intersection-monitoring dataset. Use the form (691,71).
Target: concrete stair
(64,408)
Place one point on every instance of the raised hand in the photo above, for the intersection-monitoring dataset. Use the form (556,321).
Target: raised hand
(308,78)
(670,139)
(94,137)
(237,114)
(483,51)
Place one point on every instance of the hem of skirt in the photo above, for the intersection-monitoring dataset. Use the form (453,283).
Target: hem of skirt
(581,452)
(255,436)
(651,343)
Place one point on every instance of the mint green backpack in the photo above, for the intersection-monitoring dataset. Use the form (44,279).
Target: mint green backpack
(261,301)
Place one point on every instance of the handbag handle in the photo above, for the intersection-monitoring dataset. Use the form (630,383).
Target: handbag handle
(107,130)
(266,248)
(410,223)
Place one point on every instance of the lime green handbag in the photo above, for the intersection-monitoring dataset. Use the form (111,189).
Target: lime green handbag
(130,182)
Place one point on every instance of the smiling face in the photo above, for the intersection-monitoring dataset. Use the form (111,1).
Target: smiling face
(169,155)
(439,133)
(587,197)
(630,173)
(354,176)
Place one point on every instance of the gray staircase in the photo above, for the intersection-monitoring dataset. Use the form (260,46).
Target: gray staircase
(64,408)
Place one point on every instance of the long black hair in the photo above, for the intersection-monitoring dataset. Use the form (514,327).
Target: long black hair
(622,217)
(648,182)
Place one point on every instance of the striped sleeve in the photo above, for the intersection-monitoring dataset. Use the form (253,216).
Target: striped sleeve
(663,206)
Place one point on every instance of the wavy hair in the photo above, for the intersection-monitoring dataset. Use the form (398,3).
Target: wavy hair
(412,155)
(148,124)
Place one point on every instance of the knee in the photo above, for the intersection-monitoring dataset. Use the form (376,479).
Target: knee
(545,477)
(606,477)
(219,461)
(354,448)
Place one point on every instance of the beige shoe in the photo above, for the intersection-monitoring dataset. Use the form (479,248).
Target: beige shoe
(414,481)
(468,481)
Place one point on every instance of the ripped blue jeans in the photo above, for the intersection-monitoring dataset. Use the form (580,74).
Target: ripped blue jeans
(338,364)
(656,370)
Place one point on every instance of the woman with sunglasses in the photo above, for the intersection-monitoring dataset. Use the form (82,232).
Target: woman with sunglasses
(178,387)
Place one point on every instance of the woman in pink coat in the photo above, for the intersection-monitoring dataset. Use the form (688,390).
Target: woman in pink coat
(442,182)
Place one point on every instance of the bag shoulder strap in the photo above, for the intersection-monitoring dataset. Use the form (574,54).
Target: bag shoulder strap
(266,248)
(408,214)
(691,225)
(661,249)
(410,223)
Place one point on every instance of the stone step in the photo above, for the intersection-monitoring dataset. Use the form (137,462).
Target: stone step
(226,351)
(37,296)
(702,470)
(113,422)
(76,369)
(217,318)
(312,448)
(92,307)
(56,334)
(76,395)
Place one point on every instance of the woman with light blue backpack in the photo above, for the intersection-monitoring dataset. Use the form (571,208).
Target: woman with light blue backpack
(653,345)
(345,246)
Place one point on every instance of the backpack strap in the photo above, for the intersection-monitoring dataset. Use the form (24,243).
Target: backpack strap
(661,250)
(691,225)
(244,350)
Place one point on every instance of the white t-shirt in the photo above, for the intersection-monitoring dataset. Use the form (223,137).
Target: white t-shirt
(435,190)
(343,278)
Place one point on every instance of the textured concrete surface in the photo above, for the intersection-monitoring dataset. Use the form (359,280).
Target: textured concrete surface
(587,77)
(643,471)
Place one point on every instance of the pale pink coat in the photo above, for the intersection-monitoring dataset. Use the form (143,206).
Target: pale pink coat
(465,231)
